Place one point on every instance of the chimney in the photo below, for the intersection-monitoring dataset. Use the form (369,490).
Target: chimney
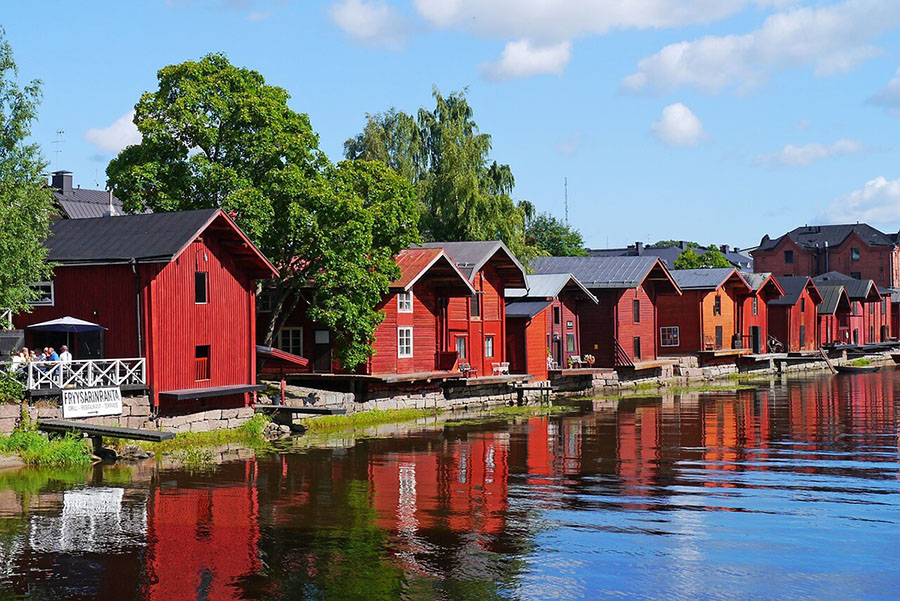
(682,244)
(827,266)
(724,248)
(639,248)
(62,181)
(110,211)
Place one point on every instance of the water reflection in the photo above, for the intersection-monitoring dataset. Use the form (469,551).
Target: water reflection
(787,490)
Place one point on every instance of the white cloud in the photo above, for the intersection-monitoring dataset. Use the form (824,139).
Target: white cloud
(888,97)
(523,59)
(831,38)
(878,202)
(259,15)
(570,144)
(115,137)
(804,156)
(678,126)
(372,22)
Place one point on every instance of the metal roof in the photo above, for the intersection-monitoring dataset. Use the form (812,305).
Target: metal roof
(548,285)
(831,298)
(81,203)
(471,256)
(669,254)
(702,279)
(600,272)
(811,236)
(856,289)
(525,308)
(793,286)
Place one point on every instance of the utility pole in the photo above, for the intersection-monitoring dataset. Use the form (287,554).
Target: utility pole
(58,142)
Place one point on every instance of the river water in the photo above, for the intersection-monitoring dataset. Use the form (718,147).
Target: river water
(788,491)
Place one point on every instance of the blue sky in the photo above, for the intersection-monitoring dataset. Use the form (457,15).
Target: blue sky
(712,120)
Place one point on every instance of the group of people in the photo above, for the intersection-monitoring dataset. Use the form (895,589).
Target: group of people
(48,354)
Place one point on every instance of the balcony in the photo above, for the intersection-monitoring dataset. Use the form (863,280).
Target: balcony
(44,378)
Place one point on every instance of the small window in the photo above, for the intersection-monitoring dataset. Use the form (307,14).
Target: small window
(201,287)
(755,305)
(669,336)
(856,275)
(489,346)
(637,347)
(404,342)
(201,362)
(405,302)
(461,347)
(290,340)
(802,336)
(570,343)
(556,316)
(475,305)
(854,254)
(803,305)
(789,257)
(636,310)
(322,337)
(570,325)
(43,294)
(720,338)
(265,301)
(717,305)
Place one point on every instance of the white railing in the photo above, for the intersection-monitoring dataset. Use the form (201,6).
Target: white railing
(6,322)
(93,373)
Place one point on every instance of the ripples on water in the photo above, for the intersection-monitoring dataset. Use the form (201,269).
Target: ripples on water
(787,491)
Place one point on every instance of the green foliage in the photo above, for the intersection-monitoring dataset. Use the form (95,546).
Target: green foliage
(672,243)
(553,237)
(25,202)
(37,449)
(463,194)
(12,389)
(216,135)
(249,434)
(689,259)
(861,362)
(363,419)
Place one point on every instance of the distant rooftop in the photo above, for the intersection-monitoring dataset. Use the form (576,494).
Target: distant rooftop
(669,254)
(818,236)
(81,203)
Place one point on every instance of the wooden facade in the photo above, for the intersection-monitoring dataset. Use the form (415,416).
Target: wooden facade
(834,315)
(754,312)
(707,315)
(793,318)
(543,324)
(869,321)
(110,273)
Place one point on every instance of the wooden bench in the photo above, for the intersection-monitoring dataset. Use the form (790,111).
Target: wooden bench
(284,414)
(96,432)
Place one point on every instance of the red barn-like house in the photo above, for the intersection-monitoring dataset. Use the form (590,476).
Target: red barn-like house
(175,288)
(415,335)
(870,319)
(621,329)
(544,318)
(706,317)
(477,325)
(793,318)
(754,315)
(834,315)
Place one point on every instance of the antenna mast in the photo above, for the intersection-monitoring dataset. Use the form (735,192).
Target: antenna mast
(58,142)
(566,189)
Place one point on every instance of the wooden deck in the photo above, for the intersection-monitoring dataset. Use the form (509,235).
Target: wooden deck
(487,380)
(725,352)
(654,364)
(581,371)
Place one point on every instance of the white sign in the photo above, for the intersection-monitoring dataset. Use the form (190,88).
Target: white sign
(88,402)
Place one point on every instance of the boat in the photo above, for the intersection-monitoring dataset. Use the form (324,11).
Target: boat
(895,357)
(856,369)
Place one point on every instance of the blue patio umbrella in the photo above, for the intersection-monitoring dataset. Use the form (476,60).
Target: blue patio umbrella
(67,324)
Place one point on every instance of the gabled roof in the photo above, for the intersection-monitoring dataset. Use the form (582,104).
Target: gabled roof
(81,203)
(760,281)
(525,308)
(470,257)
(811,236)
(832,298)
(707,279)
(793,287)
(416,262)
(857,290)
(608,272)
(145,238)
(548,286)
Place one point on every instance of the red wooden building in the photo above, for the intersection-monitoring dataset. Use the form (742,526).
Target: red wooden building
(163,285)
(793,318)
(706,317)
(870,319)
(415,336)
(543,322)
(477,324)
(621,329)
(754,312)
(834,315)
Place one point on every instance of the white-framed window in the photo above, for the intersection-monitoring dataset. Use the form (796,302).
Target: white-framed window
(404,342)
(669,336)
(290,340)
(488,346)
(460,343)
(45,296)
(405,302)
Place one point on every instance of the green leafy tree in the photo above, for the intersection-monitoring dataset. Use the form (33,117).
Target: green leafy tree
(713,258)
(690,259)
(25,202)
(553,237)
(216,135)
(671,243)
(464,194)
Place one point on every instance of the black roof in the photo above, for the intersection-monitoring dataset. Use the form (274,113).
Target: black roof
(856,289)
(150,237)
(812,236)
(831,297)
(525,308)
(793,286)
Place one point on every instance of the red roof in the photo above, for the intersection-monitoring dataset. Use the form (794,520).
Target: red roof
(414,262)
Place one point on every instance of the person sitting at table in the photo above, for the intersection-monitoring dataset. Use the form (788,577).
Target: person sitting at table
(51,354)
(65,356)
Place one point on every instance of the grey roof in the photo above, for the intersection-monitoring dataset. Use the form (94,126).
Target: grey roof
(831,296)
(811,236)
(147,237)
(525,308)
(701,279)
(81,203)
(599,272)
(856,289)
(472,256)
(756,280)
(669,254)
(793,286)
(894,292)
(548,285)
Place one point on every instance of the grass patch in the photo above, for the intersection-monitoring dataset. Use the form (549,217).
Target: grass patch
(195,458)
(363,419)
(861,362)
(531,410)
(37,449)
(249,434)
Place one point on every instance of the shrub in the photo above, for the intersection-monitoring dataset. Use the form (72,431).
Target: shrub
(12,390)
